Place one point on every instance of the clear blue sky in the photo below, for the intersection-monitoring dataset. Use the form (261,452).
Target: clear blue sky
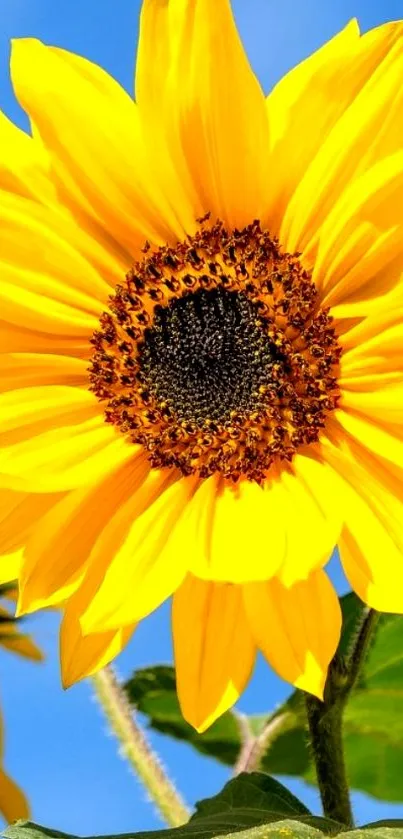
(55,741)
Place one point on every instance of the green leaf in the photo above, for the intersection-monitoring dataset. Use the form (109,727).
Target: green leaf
(289,754)
(29,830)
(284,829)
(254,790)
(385,823)
(379,830)
(256,798)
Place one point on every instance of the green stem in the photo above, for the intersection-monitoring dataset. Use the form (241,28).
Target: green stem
(325,721)
(359,647)
(325,726)
(137,750)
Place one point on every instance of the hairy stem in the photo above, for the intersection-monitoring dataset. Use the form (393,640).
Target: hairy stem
(137,750)
(247,741)
(253,747)
(359,647)
(325,720)
(325,726)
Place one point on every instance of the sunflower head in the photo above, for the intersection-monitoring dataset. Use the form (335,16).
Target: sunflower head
(202,347)
(215,357)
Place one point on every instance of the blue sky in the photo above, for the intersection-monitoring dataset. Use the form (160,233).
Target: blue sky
(55,741)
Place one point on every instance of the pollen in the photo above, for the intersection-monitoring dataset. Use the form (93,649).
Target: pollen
(214,356)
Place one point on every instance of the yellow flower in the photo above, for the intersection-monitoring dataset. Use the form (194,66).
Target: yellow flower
(13,803)
(202,346)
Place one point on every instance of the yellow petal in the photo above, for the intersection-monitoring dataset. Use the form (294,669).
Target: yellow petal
(371,124)
(18,338)
(215,109)
(247,532)
(56,276)
(22,302)
(18,643)
(302,109)
(382,438)
(85,256)
(19,514)
(238,532)
(371,543)
(312,510)
(24,411)
(369,572)
(24,166)
(56,438)
(360,255)
(81,655)
(13,803)
(214,650)
(155,54)
(101,163)
(57,553)
(20,370)
(383,404)
(10,565)
(372,355)
(296,628)
(132,568)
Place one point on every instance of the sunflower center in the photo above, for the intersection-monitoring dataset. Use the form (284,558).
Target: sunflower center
(215,356)
(207,354)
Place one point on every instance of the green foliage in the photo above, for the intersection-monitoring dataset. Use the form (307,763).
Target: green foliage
(251,806)
(373,720)
(282,829)
(378,830)
(255,792)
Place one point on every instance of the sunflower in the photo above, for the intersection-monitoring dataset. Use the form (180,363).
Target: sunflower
(203,347)
(13,803)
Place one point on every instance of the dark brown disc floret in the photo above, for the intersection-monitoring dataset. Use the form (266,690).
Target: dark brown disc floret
(215,356)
